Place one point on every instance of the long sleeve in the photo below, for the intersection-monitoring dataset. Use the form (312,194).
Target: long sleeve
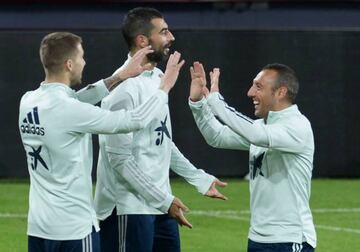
(87,118)
(118,149)
(93,93)
(216,134)
(291,137)
(182,166)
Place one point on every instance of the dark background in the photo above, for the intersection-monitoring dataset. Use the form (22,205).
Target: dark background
(240,40)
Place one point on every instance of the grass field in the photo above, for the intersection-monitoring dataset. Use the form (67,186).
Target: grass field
(219,226)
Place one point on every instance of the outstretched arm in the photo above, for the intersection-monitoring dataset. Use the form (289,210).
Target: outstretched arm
(91,119)
(94,93)
(204,182)
(291,137)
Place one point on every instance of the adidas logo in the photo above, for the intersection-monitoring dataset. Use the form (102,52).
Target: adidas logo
(31,123)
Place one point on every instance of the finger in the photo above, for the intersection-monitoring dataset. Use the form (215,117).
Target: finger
(182,220)
(220,183)
(146,52)
(170,60)
(192,74)
(177,57)
(216,195)
(181,64)
(202,70)
(142,52)
(220,196)
(215,73)
(197,67)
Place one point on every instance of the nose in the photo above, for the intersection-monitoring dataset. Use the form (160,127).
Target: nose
(171,36)
(251,92)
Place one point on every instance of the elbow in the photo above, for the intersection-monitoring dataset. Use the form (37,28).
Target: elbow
(213,142)
(258,141)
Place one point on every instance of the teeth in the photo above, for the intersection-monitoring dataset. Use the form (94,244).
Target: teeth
(256,102)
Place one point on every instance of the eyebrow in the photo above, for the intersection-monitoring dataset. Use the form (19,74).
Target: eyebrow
(164,29)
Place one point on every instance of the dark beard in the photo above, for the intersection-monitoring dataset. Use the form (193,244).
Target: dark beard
(157,56)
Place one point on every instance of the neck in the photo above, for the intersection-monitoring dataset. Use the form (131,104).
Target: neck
(279,107)
(282,106)
(59,78)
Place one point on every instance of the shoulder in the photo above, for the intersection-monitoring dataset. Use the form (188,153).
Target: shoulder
(25,96)
(158,71)
(123,96)
(130,86)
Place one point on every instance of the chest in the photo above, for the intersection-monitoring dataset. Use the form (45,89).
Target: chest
(266,163)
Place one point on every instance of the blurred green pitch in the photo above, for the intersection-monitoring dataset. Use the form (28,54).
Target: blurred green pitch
(220,226)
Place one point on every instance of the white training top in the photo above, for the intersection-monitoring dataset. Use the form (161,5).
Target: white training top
(133,169)
(54,127)
(281,157)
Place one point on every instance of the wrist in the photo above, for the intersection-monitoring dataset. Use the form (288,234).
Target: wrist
(122,75)
(196,98)
(165,89)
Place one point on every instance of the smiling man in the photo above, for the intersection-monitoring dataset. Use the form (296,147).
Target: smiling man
(281,146)
(133,196)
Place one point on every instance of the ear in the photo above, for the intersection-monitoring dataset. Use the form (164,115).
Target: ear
(141,41)
(282,92)
(68,64)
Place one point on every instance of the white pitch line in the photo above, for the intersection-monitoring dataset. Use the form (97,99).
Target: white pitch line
(222,212)
(233,215)
(12,215)
(339,229)
(319,210)
(336,210)
(223,215)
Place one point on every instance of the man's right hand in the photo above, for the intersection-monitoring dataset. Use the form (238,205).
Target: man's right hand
(176,211)
(171,74)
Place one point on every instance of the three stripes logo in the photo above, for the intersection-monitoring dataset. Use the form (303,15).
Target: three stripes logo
(31,123)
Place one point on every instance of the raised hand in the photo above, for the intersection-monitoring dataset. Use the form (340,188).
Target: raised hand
(132,69)
(135,65)
(214,80)
(171,74)
(213,192)
(198,82)
(176,211)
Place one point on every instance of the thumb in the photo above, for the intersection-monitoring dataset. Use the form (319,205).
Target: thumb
(180,205)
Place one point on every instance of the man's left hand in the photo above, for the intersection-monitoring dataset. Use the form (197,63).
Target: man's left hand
(213,192)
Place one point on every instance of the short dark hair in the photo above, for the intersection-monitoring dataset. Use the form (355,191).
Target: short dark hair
(138,22)
(56,47)
(286,77)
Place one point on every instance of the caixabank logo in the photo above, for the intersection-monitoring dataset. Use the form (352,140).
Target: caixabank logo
(31,123)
